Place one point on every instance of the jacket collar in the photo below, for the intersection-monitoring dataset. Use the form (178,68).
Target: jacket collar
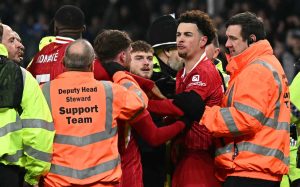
(3,50)
(239,62)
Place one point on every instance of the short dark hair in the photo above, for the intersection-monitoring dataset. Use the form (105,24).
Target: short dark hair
(109,43)
(250,23)
(70,17)
(203,22)
(141,46)
(81,58)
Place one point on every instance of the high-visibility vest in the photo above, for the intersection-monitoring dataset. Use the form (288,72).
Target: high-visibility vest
(294,172)
(84,113)
(253,122)
(295,99)
(26,139)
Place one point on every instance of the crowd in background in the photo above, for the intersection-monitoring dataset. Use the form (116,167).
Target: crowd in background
(32,19)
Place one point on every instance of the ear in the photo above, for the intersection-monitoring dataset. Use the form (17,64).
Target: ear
(91,68)
(203,42)
(167,52)
(121,58)
(251,39)
(216,52)
(83,28)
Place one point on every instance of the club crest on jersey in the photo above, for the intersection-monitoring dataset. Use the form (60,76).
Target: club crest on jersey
(195,78)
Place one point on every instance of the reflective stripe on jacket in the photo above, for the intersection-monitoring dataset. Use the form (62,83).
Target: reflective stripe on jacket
(84,113)
(27,140)
(254,119)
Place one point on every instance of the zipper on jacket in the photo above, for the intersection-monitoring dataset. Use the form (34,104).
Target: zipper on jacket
(235,151)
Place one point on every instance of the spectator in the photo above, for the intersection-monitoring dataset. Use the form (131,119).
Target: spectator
(68,25)
(253,126)
(26,128)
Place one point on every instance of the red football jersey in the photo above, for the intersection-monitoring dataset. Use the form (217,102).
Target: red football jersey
(47,63)
(204,79)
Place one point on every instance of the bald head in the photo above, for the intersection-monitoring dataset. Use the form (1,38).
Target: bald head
(79,56)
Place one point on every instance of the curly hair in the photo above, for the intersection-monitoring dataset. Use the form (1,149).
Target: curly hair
(203,22)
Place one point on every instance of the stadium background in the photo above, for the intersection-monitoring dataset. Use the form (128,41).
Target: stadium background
(31,18)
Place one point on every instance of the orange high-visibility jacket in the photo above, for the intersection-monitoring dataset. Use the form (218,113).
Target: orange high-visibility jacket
(253,122)
(84,112)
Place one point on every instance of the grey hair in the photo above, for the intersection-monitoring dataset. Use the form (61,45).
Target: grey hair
(79,54)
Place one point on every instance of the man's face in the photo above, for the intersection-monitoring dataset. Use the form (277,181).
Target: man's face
(20,46)
(14,47)
(188,40)
(142,64)
(174,61)
(235,42)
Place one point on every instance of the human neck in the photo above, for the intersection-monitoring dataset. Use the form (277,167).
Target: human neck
(73,35)
(190,62)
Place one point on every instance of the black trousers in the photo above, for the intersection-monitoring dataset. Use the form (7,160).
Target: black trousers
(11,176)
(249,182)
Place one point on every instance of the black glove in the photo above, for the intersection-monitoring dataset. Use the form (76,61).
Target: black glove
(191,104)
(112,67)
(187,122)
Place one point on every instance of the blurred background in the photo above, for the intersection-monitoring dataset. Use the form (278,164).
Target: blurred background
(31,18)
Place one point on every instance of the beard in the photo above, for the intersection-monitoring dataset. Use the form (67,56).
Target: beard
(182,54)
(175,65)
